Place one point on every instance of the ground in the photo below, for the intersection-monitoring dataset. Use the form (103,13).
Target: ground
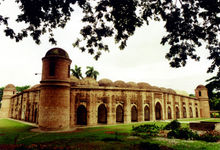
(14,133)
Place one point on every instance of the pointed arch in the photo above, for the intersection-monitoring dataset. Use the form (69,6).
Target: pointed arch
(146,113)
(169,113)
(134,114)
(102,114)
(177,113)
(81,115)
(119,114)
(158,111)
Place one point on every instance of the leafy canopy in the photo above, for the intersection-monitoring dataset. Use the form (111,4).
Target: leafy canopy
(189,24)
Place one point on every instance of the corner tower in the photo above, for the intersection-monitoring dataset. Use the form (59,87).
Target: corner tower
(8,92)
(54,105)
(202,95)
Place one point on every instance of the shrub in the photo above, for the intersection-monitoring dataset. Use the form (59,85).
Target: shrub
(173,125)
(146,130)
(182,133)
(210,136)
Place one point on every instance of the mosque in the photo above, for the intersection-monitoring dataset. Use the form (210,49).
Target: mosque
(62,101)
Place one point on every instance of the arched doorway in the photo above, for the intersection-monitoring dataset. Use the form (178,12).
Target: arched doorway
(134,114)
(191,112)
(102,114)
(146,113)
(184,112)
(177,113)
(169,113)
(81,115)
(197,114)
(119,114)
(158,110)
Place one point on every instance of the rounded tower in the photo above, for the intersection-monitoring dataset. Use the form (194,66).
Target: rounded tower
(8,92)
(54,105)
(202,95)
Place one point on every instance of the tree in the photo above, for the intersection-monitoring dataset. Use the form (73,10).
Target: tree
(77,72)
(91,72)
(214,92)
(189,24)
(22,88)
(1,93)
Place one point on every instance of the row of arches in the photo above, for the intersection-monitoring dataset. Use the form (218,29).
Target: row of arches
(102,113)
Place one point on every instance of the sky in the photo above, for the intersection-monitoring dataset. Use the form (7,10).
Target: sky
(143,60)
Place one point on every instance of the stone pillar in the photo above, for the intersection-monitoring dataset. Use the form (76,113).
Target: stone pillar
(140,107)
(54,104)
(153,114)
(111,110)
(127,110)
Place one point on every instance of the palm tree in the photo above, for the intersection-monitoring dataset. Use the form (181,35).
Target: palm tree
(77,72)
(91,72)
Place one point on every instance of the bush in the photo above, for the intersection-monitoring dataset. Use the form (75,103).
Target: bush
(183,133)
(146,130)
(173,125)
(210,137)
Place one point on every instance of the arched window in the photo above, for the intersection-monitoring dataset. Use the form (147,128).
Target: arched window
(158,110)
(184,112)
(102,114)
(81,115)
(134,114)
(177,113)
(146,113)
(119,114)
(191,112)
(169,113)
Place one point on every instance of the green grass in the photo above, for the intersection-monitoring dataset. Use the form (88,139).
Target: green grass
(102,137)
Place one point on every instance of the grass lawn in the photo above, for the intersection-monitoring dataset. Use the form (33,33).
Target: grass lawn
(103,137)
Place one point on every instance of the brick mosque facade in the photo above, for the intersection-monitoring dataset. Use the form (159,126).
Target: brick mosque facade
(62,101)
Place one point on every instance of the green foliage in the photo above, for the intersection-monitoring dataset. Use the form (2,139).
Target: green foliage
(22,88)
(91,72)
(77,72)
(213,87)
(182,133)
(146,130)
(173,125)
(210,137)
(188,24)
(1,93)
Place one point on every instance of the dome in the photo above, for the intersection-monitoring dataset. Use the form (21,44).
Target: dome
(57,52)
(144,85)
(132,85)
(201,87)
(156,88)
(10,87)
(74,80)
(89,81)
(105,82)
(120,83)
(171,91)
(164,89)
(35,86)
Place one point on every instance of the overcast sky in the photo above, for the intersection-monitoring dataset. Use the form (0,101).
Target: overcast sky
(143,60)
